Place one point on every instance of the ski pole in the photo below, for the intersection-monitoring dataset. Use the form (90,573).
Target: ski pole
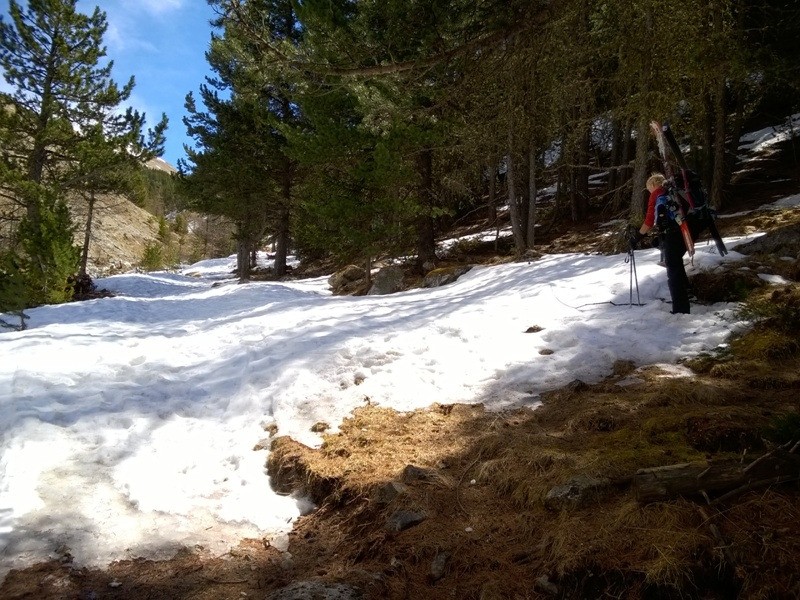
(633,278)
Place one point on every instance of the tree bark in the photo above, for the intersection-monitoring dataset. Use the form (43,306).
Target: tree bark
(623,168)
(701,478)
(616,163)
(87,234)
(718,178)
(513,205)
(282,229)
(491,201)
(531,226)
(426,239)
(639,170)
(736,133)
(580,207)
(707,172)
(242,253)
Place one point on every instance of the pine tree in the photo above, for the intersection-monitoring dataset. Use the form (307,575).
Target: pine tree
(63,104)
(240,168)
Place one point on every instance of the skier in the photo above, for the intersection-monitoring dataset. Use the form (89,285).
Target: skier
(670,240)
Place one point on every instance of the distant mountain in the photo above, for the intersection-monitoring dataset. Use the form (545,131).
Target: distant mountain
(160,164)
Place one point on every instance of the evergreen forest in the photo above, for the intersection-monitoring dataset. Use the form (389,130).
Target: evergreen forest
(354,130)
(357,130)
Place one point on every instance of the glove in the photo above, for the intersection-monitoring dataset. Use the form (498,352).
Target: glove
(635,239)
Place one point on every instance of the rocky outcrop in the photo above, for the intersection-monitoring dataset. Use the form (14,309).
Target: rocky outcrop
(444,275)
(347,281)
(388,280)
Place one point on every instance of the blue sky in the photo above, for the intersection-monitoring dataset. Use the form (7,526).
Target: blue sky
(162,43)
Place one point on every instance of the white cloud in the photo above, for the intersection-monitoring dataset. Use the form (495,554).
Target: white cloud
(119,39)
(160,7)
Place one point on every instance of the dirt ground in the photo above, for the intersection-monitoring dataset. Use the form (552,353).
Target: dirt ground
(454,502)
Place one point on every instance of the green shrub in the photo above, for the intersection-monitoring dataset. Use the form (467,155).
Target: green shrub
(778,309)
(49,258)
(163,230)
(13,287)
(153,258)
(784,428)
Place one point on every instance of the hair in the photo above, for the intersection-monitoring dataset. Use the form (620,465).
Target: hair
(656,180)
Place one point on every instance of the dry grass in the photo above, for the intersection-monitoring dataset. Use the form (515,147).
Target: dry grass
(488,475)
(491,473)
(481,480)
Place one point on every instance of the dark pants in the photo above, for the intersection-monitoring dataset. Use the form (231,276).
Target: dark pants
(678,282)
(674,249)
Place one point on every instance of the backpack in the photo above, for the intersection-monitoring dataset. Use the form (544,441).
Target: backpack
(690,189)
(668,210)
(684,196)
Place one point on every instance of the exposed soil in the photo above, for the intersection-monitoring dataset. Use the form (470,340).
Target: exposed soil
(475,485)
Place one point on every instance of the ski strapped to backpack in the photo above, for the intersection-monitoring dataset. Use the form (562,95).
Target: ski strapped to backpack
(687,185)
(668,206)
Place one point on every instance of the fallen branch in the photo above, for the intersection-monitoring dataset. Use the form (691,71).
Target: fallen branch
(729,478)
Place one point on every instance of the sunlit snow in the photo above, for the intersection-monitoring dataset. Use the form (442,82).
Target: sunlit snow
(129,425)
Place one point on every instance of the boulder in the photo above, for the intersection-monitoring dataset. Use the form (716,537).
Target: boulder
(347,280)
(400,520)
(784,241)
(388,280)
(443,276)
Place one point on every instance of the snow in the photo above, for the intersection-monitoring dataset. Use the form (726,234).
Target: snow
(765,139)
(131,426)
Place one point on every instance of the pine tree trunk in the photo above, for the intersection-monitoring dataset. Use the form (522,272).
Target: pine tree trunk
(580,206)
(282,241)
(491,202)
(242,253)
(426,240)
(707,173)
(616,160)
(87,234)
(640,170)
(736,133)
(718,181)
(513,205)
(531,227)
(282,230)
(624,167)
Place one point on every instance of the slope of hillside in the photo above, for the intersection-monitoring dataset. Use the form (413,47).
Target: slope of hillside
(455,501)
(121,231)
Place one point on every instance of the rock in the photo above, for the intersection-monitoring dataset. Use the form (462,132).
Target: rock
(400,520)
(316,590)
(621,368)
(576,385)
(782,241)
(387,493)
(443,276)
(346,280)
(387,281)
(414,473)
(545,585)
(438,566)
(576,492)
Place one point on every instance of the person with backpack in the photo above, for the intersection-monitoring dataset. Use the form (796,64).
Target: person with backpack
(661,212)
